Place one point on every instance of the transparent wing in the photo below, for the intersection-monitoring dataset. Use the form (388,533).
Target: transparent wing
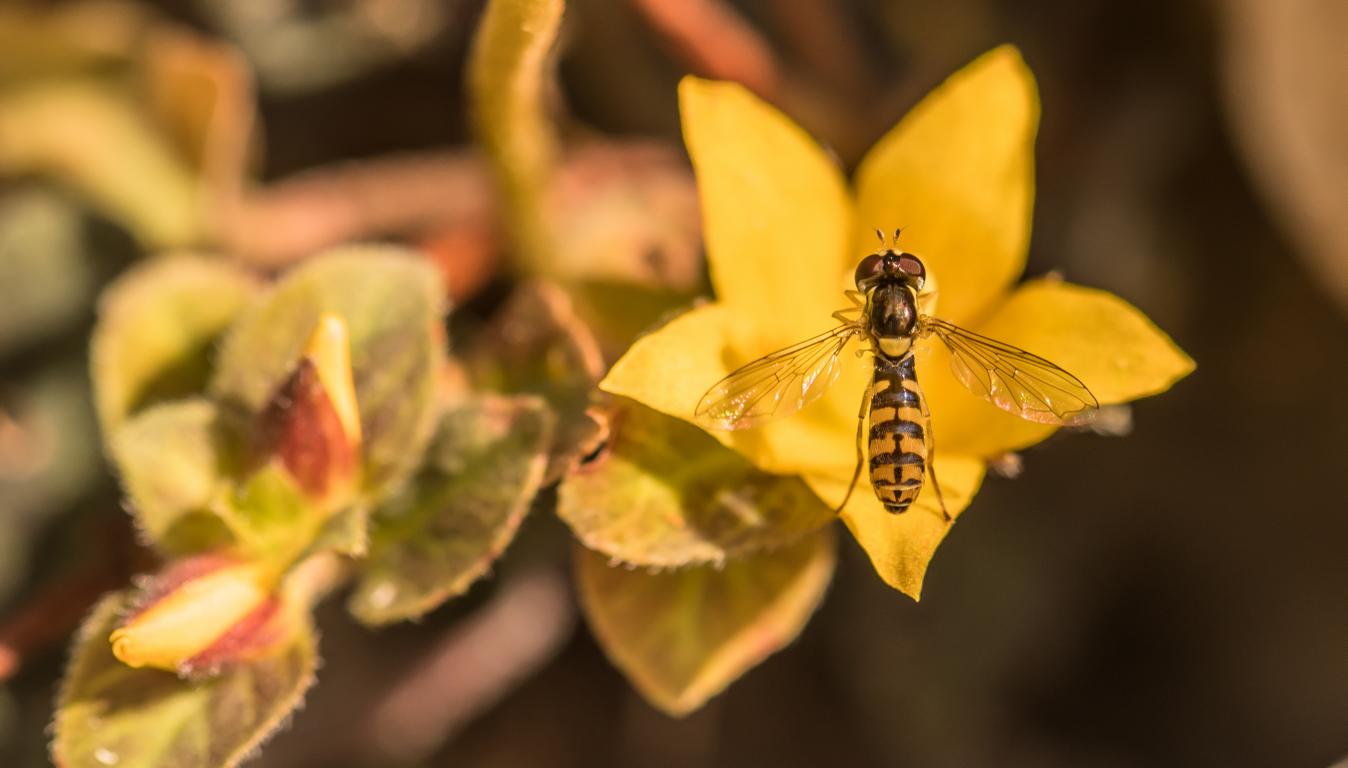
(1014,380)
(776,385)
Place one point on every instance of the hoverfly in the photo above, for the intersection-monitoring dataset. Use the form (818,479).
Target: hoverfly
(900,448)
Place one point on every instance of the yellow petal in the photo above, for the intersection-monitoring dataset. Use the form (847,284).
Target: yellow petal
(1094,335)
(671,368)
(958,174)
(900,546)
(775,214)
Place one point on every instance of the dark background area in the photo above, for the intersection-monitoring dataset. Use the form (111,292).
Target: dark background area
(1177,597)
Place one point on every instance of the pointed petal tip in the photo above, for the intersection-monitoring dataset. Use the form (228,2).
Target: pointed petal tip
(965,154)
(776,211)
(1006,56)
(329,348)
(1006,62)
(1007,53)
(692,86)
(901,547)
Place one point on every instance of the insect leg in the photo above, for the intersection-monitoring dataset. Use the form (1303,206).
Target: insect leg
(841,315)
(858,300)
(861,455)
(931,462)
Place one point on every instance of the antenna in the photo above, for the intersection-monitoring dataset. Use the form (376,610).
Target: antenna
(897,232)
(880,235)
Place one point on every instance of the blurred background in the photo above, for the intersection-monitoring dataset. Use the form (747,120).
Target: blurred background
(1178,597)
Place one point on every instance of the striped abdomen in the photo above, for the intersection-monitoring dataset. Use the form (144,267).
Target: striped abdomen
(898,438)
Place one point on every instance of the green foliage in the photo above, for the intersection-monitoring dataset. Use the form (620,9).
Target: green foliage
(346,533)
(461,511)
(156,328)
(535,344)
(682,636)
(195,365)
(169,459)
(88,133)
(274,518)
(667,494)
(392,307)
(111,714)
(509,70)
(185,464)
(427,519)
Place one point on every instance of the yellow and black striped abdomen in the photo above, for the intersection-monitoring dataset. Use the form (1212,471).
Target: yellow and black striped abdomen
(898,436)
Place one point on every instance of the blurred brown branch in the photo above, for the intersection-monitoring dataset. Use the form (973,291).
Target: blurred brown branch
(826,44)
(474,666)
(50,614)
(23,451)
(409,702)
(420,195)
(1284,68)
(835,96)
(716,42)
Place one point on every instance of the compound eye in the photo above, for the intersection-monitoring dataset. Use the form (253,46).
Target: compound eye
(870,268)
(911,266)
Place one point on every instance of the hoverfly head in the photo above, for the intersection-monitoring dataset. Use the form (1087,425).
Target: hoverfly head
(890,264)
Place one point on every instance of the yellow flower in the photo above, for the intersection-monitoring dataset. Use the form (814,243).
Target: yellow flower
(783,234)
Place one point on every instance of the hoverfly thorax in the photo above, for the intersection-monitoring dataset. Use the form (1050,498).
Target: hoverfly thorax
(891,279)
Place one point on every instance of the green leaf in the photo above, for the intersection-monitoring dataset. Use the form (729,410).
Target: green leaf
(181,481)
(392,305)
(111,714)
(461,512)
(273,517)
(157,327)
(170,461)
(667,494)
(508,73)
(535,344)
(347,533)
(682,636)
(92,137)
(618,313)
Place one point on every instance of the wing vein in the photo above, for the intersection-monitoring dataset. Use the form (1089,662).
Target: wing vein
(776,384)
(1012,379)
